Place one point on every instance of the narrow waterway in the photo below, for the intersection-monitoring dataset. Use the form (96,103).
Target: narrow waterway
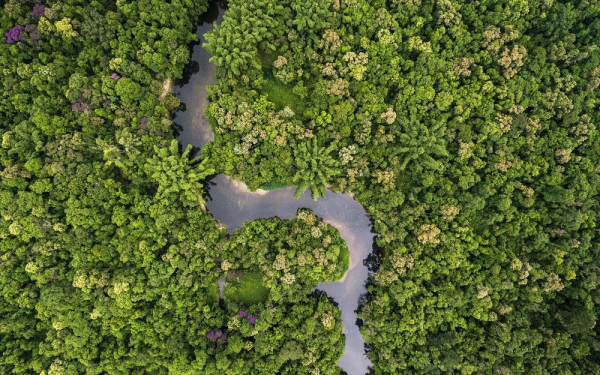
(199,73)
(232,204)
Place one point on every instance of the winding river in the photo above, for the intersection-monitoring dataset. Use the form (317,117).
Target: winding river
(232,203)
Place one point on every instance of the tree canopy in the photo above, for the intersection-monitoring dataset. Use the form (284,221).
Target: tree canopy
(466,128)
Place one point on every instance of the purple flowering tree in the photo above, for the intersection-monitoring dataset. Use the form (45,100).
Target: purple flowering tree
(16,34)
(38,10)
(114,76)
(81,106)
(216,336)
(251,318)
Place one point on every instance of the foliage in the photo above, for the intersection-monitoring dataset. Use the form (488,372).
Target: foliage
(173,175)
(301,338)
(291,256)
(272,185)
(240,60)
(315,168)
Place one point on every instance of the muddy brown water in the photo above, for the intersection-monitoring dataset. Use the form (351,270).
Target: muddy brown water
(232,203)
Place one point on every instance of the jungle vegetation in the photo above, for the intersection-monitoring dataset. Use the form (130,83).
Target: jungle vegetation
(466,128)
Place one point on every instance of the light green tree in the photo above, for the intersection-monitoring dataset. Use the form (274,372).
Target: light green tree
(175,175)
(315,168)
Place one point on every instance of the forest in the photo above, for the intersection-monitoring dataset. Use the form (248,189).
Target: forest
(465,128)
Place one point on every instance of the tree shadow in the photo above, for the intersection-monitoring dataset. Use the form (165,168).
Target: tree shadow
(189,70)
(374,260)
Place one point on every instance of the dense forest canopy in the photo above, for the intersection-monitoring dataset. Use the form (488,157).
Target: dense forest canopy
(466,128)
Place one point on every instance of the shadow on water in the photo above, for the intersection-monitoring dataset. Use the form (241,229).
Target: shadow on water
(189,70)
(203,24)
(216,8)
(177,129)
(191,89)
(232,204)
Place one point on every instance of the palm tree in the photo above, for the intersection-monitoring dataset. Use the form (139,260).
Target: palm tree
(315,168)
(176,176)
(418,142)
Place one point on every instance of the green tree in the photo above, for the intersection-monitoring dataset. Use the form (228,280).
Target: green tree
(315,168)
